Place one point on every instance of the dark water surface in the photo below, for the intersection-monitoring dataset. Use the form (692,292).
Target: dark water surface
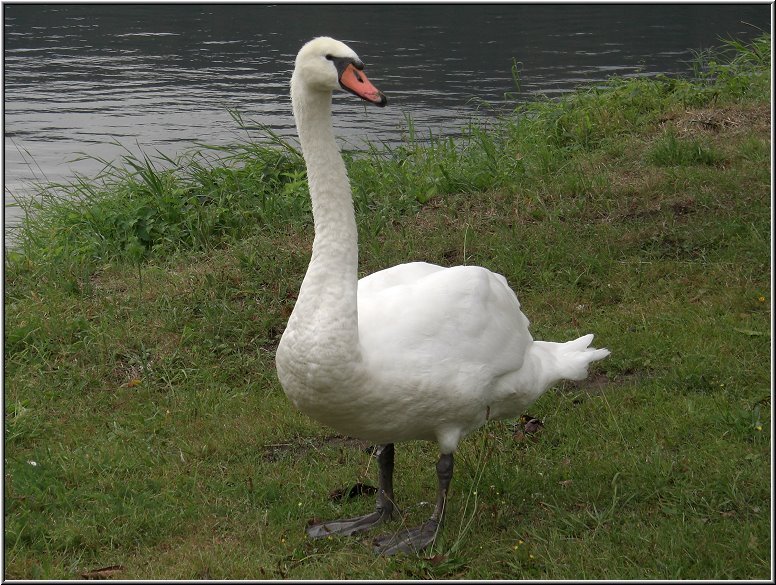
(162,77)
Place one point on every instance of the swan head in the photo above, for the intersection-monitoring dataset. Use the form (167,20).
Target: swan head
(325,64)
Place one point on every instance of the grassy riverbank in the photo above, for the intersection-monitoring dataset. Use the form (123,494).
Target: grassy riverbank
(146,433)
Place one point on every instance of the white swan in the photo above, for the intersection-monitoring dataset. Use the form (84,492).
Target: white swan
(416,351)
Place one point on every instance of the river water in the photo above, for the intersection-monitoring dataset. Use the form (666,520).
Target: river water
(79,78)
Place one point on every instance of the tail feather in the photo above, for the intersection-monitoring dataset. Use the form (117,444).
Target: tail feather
(577,356)
(569,360)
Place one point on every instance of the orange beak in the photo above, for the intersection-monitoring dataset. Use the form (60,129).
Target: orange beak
(356,82)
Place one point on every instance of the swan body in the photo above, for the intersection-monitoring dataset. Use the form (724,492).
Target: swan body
(416,351)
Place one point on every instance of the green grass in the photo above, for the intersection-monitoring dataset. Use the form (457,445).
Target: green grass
(673,151)
(141,322)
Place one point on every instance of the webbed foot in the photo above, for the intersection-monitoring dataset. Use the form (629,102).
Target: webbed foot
(348,526)
(384,511)
(407,540)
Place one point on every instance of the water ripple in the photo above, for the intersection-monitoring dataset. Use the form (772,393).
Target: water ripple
(77,77)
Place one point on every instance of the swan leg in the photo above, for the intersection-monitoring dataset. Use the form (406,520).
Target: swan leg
(384,508)
(412,540)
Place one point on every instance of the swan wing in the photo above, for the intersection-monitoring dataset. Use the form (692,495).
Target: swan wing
(442,317)
(409,273)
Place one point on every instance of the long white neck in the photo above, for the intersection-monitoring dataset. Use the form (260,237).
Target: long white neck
(327,305)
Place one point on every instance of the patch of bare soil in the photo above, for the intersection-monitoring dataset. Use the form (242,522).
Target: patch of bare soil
(597,382)
(299,446)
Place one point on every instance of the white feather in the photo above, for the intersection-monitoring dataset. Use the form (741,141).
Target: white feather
(416,351)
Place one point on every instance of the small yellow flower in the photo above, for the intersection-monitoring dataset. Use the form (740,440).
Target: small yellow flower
(761,299)
(759,427)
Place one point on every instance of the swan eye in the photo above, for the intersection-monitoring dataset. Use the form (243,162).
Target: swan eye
(330,57)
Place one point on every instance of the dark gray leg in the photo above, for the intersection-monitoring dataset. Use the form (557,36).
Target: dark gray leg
(385,501)
(411,540)
(383,510)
